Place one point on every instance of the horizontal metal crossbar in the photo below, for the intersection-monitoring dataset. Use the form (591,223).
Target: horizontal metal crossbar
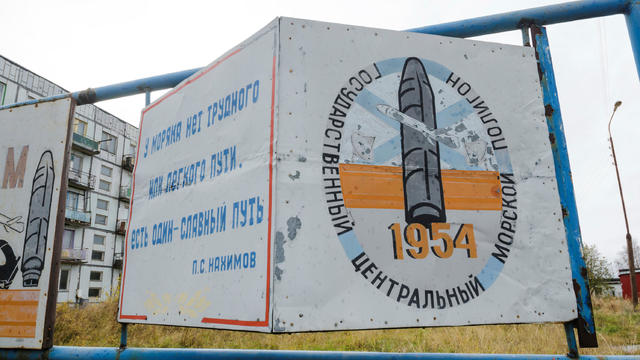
(96,353)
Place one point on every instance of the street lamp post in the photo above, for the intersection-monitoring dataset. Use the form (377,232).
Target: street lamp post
(632,268)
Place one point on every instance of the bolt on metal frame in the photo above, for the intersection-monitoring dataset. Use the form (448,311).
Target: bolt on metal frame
(531,22)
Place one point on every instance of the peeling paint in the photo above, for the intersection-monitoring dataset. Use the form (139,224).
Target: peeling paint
(293,225)
(362,146)
(277,327)
(278,273)
(295,176)
(279,254)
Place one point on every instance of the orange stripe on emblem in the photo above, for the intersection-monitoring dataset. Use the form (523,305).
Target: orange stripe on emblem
(380,187)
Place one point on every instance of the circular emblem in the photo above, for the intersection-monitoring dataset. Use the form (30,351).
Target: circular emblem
(418,183)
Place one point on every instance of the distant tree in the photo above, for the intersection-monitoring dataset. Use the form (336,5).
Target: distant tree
(598,269)
(622,261)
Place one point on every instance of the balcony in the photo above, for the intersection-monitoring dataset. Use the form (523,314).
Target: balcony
(121,227)
(128,161)
(85,144)
(81,180)
(74,255)
(117,260)
(125,193)
(77,216)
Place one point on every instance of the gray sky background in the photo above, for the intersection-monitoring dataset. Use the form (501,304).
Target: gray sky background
(84,43)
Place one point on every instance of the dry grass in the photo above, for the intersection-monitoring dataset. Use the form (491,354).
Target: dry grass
(95,325)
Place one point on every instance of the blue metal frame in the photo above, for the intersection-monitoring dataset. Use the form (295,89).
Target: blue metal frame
(515,20)
(145,85)
(534,18)
(544,15)
(571,340)
(94,353)
(632,16)
(586,325)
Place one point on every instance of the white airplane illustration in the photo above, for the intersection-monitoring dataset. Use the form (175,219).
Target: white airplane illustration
(457,137)
(11,223)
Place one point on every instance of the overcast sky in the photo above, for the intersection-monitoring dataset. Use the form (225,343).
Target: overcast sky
(81,43)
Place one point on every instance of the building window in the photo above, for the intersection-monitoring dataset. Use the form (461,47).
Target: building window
(67,239)
(101,219)
(73,200)
(105,185)
(95,276)
(109,142)
(76,162)
(98,239)
(64,279)
(102,204)
(94,292)
(3,87)
(79,127)
(106,171)
(97,255)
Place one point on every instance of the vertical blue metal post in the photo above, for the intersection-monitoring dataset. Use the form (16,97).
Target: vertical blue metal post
(571,340)
(633,26)
(585,323)
(123,329)
(123,336)
(526,39)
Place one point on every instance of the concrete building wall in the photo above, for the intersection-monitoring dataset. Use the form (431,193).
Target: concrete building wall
(92,250)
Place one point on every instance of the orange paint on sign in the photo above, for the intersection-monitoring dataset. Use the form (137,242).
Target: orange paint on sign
(380,187)
(18,312)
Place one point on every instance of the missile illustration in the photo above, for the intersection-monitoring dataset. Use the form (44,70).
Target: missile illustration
(423,196)
(35,241)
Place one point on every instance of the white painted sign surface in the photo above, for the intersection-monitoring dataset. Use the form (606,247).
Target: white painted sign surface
(32,152)
(198,241)
(413,185)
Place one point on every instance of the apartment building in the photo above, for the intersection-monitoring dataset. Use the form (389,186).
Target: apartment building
(99,189)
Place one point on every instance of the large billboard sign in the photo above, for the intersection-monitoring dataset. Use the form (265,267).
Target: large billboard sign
(330,177)
(32,176)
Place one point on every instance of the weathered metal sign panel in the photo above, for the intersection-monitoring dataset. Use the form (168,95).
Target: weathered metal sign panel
(198,241)
(429,196)
(32,170)
(411,184)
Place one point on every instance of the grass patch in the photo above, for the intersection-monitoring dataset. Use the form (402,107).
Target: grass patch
(95,325)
